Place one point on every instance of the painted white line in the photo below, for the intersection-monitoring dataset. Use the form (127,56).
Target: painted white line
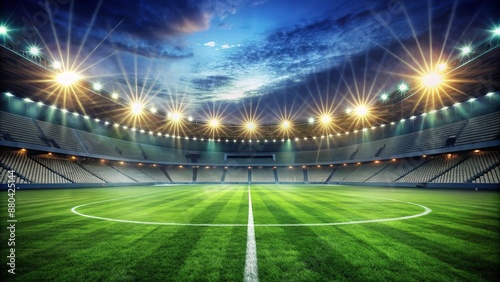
(251,267)
(425,212)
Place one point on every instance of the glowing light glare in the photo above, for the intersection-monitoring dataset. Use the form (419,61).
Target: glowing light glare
(27,100)
(8,94)
(348,111)
(56,65)
(214,123)
(361,110)
(3,30)
(496,31)
(466,50)
(176,117)
(251,126)
(67,78)
(34,51)
(432,80)
(285,124)
(136,108)
(190,118)
(97,86)
(310,120)
(442,67)
(153,110)
(325,119)
(403,87)
(384,96)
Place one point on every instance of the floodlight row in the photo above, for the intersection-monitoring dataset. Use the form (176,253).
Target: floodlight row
(173,136)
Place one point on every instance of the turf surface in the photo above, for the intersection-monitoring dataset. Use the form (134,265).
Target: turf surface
(457,241)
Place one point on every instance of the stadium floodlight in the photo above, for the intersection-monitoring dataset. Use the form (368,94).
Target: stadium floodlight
(361,110)
(444,108)
(3,30)
(40,103)
(423,114)
(310,120)
(472,100)
(106,122)
(384,96)
(34,51)
(251,126)
(466,50)
(496,31)
(413,117)
(325,119)
(8,94)
(432,80)
(97,120)
(97,86)
(348,111)
(75,114)
(285,124)
(28,100)
(56,65)
(403,87)
(176,117)
(214,123)
(64,110)
(402,120)
(442,66)
(489,94)
(190,118)
(116,125)
(86,117)
(153,110)
(456,104)
(136,108)
(67,78)
(115,95)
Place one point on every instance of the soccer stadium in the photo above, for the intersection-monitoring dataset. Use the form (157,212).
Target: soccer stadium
(250,140)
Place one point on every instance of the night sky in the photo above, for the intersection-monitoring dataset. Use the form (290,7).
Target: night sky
(264,58)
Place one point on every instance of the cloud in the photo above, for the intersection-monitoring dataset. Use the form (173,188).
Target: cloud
(210,44)
(211,82)
(225,46)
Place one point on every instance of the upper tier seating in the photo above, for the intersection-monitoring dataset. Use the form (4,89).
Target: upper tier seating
(290,174)
(319,174)
(262,174)
(210,174)
(106,172)
(236,174)
(33,171)
(68,168)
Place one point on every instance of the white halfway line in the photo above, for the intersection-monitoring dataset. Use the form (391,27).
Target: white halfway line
(251,268)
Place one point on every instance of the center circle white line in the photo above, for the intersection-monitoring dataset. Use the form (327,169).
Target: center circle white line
(425,212)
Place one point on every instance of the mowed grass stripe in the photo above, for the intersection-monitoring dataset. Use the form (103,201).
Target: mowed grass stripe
(218,251)
(142,206)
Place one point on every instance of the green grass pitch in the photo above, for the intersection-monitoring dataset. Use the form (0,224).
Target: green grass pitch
(131,237)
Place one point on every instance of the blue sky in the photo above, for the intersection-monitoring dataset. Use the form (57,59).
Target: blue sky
(264,57)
